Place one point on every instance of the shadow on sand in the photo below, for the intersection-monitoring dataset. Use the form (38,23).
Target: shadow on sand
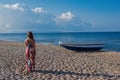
(73,73)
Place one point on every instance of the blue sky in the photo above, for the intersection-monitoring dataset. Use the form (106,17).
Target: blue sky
(59,15)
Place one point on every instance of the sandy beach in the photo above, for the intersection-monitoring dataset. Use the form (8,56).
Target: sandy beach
(57,63)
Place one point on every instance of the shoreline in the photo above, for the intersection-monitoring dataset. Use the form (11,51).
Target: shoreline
(58,63)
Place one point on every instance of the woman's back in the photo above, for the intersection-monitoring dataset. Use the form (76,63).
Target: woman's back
(30,42)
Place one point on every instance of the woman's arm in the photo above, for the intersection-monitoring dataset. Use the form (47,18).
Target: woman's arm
(26,43)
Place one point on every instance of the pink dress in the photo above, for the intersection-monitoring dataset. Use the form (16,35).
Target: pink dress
(30,57)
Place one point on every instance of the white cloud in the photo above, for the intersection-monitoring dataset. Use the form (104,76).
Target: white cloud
(68,19)
(16,6)
(39,10)
(65,16)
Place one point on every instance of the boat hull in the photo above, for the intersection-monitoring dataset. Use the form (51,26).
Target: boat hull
(83,46)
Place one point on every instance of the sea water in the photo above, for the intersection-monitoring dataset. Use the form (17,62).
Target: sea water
(111,40)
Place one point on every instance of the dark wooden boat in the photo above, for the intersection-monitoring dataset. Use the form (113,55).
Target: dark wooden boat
(83,46)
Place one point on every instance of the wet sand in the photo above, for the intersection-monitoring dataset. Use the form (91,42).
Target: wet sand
(57,63)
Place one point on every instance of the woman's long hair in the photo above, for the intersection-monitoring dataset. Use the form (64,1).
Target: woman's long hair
(30,35)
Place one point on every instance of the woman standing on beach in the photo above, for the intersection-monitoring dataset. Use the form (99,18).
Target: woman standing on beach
(30,52)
